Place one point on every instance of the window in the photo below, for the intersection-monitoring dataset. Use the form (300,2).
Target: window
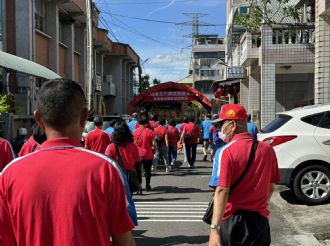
(207,73)
(40,15)
(325,122)
(313,119)
(276,124)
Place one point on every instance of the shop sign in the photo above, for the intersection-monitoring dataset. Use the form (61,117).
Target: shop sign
(236,73)
(169,96)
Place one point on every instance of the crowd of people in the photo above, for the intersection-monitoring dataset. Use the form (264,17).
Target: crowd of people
(63,184)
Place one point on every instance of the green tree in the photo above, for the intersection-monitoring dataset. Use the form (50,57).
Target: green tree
(7,104)
(268,12)
(145,83)
(155,81)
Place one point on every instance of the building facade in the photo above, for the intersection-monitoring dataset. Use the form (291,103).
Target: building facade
(278,61)
(207,65)
(53,33)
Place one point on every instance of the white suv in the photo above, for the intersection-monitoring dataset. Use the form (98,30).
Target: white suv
(301,140)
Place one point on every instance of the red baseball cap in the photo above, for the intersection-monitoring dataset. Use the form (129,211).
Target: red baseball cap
(231,112)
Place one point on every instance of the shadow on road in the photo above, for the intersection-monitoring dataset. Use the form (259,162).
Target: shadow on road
(290,197)
(136,199)
(176,190)
(141,239)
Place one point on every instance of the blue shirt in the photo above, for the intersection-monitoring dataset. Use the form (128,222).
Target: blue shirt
(206,129)
(109,130)
(214,177)
(252,129)
(178,127)
(131,124)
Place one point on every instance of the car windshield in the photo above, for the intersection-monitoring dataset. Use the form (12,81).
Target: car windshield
(276,124)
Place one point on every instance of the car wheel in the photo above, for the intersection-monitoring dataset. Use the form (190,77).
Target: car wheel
(312,184)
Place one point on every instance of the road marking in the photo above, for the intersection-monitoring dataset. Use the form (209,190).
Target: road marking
(171,211)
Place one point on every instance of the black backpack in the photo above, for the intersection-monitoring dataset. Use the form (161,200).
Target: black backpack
(159,140)
(187,137)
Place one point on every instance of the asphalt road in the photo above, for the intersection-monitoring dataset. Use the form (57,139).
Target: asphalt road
(171,214)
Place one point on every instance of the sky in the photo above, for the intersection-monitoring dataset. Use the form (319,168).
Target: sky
(164,51)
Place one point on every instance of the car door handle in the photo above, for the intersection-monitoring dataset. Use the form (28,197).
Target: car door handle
(326,142)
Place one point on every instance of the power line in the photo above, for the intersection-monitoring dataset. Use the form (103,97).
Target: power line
(104,22)
(137,18)
(150,20)
(195,23)
(132,30)
(143,3)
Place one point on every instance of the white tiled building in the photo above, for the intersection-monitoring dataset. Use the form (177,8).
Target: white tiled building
(279,63)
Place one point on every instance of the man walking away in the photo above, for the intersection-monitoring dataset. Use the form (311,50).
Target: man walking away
(97,140)
(6,153)
(161,139)
(63,194)
(251,127)
(182,126)
(133,122)
(240,214)
(206,125)
(190,136)
(144,139)
(173,136)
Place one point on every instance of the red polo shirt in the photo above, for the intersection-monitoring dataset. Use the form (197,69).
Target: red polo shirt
(173,135)
(253,190)
(28,147)
(192,129)
(62,195)
(129,154)
(182,126)
(97,140)
(143,138)
(153,124)
(6,153)
(160,131)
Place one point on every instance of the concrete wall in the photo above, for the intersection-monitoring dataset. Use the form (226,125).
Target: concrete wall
(113,66)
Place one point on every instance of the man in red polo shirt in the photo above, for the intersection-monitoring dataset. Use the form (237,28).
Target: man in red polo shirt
(192,131)
(161,139)
(63,194)
(6,153)
(97,140)
(242,213)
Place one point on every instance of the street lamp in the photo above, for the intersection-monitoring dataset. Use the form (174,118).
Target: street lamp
(140,72)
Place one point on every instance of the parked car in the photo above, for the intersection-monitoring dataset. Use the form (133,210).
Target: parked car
(301,140)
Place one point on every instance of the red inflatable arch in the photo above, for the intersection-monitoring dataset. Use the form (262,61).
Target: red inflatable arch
(169,91)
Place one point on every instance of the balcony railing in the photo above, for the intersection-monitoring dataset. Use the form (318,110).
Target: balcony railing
(296,35)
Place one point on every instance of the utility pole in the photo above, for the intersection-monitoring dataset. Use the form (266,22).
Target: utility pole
(195,23)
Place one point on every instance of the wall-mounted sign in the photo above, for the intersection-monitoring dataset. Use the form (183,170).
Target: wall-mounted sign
(236,73)
(169,96)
